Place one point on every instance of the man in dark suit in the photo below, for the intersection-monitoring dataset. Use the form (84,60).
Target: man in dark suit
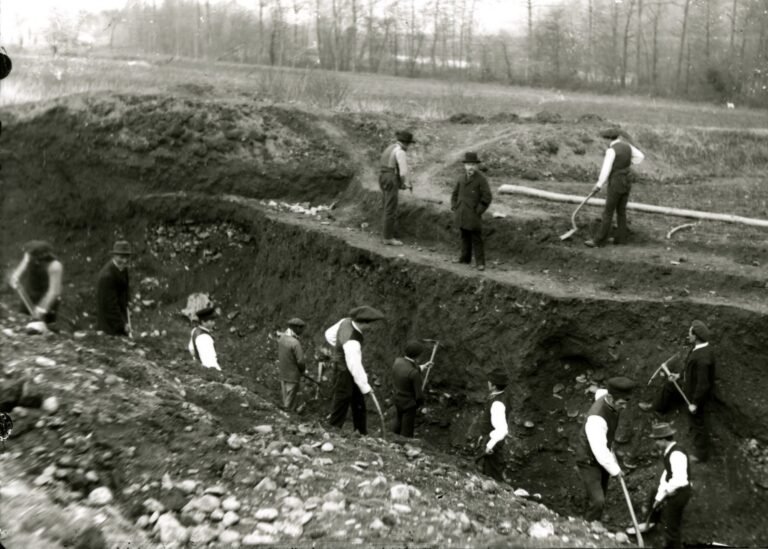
(112,293)
(408,396)
(698,386)
(471,197)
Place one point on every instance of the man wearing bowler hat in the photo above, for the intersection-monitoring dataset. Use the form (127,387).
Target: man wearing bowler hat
(698,385)
(351,382)
(594,455)
(616,171)
(393,176)
(674,489)
(471,197)
(292,362)
(495,423)
(113,293)
(408,396)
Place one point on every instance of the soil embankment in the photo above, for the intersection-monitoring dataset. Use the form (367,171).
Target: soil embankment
(186,188)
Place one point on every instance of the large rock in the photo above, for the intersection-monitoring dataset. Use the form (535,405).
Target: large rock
(202,535)
(230,518)
(228,537)
(206,504)
(172,533)
(399,492)
(230,504)
(541,529)
(257,538)
(267,514)
(100,496)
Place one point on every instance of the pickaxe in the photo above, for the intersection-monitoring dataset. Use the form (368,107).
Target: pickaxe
(574,227)
(25,299)
(663,368)
(431,360)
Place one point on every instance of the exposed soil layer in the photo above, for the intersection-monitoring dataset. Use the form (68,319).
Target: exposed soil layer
(183,179)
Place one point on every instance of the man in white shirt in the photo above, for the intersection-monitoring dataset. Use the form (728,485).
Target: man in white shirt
(495,422)
(351,382)
(594,456)
(674,486)
(616,170)
(201,345)
(393,176)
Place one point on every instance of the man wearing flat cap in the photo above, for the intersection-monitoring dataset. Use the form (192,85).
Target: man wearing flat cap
(351,382)
(39,278)
(594,455)
(408,396)
(674,491)
(393,176)
(292,363)
(113,292)
(471,197)
(698,385)
(616,171)
(201,345)
(495,424)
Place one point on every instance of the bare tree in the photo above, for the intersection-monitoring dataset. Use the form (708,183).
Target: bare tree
(686,9)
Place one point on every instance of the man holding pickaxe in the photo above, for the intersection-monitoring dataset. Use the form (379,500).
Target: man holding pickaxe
(38,281)
(408,388)
(698,384)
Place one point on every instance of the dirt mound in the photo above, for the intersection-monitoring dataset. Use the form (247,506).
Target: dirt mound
(466,118)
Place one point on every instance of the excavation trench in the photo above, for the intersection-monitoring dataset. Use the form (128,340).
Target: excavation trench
(555,340)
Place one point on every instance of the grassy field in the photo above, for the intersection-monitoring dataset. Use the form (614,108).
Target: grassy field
(41,77)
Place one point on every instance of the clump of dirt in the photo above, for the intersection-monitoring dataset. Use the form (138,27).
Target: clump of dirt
(466,118)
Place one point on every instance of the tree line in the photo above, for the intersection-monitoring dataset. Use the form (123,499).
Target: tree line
(702,49)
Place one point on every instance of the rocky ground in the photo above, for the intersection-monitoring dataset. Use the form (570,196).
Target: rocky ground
(273,211)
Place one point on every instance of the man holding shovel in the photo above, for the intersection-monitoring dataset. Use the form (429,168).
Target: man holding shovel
(594,457)
(407,382)
(38,281)
(351,382)
(292,362)
(698,384)
(618,160)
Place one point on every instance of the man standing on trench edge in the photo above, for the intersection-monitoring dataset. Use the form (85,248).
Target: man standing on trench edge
(594,456)
(495,423)
(471,197)
(113,294)
(698,384)
(618,160)
(393,176)
(351,382)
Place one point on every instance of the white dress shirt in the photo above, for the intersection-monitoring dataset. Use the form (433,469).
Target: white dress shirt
(610,156)
(498,422)
(402,162)
(353,353)
(597,435)
(205,349)
(679,465)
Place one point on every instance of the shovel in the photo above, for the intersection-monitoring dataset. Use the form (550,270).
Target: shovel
(431,362)
(574,228)
(25,299)
(631,511)
(381,415)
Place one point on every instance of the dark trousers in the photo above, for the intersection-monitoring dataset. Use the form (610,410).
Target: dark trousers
(390,185)
(472,240)
(699,423)
(615,201)
(670,515)
(347,394)
(404,421)
(493,464)
(595,480)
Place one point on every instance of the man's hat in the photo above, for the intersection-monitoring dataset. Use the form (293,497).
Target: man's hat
(39,249)
(470,158)
(364,313)
(413,349)
(405,137)
(662,430)
(297,322)
(207,313)
(5,64)
(498,377)
(614,133)
(620,386)
(700,330)
(122,247)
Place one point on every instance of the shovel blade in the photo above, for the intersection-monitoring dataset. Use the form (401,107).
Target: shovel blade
(568,235)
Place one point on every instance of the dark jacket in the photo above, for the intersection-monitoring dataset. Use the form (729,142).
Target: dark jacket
(112,300)
(470,198)
(406,378)
(291,358)
(699,378)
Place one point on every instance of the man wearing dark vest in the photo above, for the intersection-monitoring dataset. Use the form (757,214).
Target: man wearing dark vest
(393,176)
(698,385)
(495,424)
(408,396)
(616,170)
(351,382)
(290,355)
(471,197)
(201,345)
(113,293)
(594,455)
(39,275)
(674,487)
